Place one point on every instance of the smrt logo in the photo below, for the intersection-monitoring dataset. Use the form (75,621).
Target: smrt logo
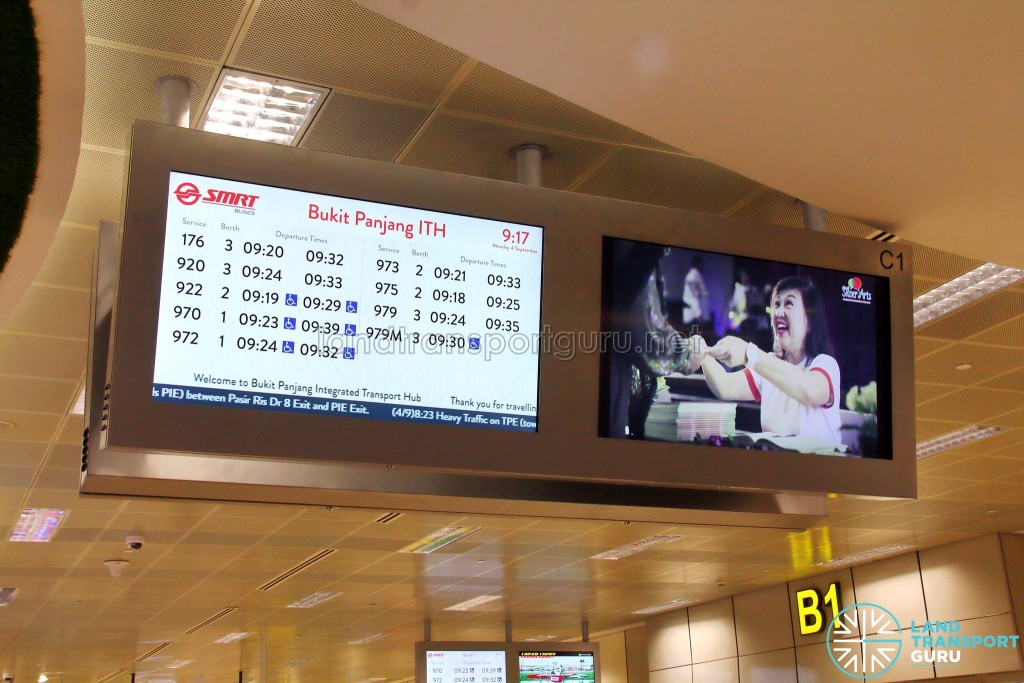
(188,194)
(854,292)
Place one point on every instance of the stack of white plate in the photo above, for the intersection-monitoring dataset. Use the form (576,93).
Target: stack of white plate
(705,419)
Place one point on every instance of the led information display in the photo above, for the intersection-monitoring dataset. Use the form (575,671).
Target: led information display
(466,666)
(277,299)
(545,666)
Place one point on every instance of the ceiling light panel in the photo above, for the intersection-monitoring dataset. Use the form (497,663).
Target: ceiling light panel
(37,525)
(367,639)
(954,440)
(472,603)
(439,539)
(7,595)
(665,606)
(233,637)
(960,291)
(866,555)
(314,600)
(635,547)
(259,107)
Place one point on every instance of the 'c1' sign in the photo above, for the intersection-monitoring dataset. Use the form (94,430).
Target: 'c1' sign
(810,607)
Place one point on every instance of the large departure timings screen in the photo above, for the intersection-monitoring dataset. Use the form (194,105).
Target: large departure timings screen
(276,299)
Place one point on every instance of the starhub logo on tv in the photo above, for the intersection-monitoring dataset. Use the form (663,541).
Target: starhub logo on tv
(865,640)
(854,291)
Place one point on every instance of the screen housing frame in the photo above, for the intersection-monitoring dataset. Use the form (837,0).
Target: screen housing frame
(221,442)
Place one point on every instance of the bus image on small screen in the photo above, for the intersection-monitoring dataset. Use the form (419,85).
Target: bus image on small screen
(555,667)
(722,350)
(276,299)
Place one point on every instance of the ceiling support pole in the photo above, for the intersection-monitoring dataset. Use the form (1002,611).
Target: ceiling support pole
(585,627)
(815,218)
(528,163)
(174,100)
(426,630)
(508,631)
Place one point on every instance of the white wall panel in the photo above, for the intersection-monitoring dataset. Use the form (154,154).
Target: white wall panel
(613,658)
(965,580)
(720,671)
(984,660)
(813,665)
(712,631)
(777,667)
(668,641)
(677,674)
(894,584)
(905,669)
(762,620)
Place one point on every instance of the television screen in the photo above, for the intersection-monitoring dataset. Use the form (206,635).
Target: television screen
(465,666)
(283,300)
(714,349)
(547,666)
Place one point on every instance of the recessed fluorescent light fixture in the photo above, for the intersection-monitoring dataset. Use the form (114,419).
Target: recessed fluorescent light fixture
(537,639)
(367,639)
(472,603)
(314,600)
(866,555)
(259,107)
(665,606)
(635,547)
(37,525)
(79,407)
(297,663)
(439,539)
(180,663)
(233,637)
(971,286)
(7,595)
(954,440)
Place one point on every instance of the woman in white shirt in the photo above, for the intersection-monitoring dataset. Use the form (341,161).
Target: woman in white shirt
(796,384)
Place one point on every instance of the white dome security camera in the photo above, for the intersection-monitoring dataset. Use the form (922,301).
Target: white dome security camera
(134,543)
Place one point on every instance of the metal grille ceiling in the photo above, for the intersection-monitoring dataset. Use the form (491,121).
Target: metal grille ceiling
(399,96)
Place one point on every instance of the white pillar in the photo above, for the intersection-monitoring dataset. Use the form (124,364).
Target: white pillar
(174,100)
(528,163)
(815,218)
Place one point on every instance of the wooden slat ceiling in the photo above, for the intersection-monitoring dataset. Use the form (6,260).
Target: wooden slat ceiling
(398,96)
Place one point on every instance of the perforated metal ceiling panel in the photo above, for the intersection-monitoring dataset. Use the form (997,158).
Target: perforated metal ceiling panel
(365,128)
(340,44)
(985,314)
(492,93)
(639,175)
(186,27)
(484,149)
(128,81)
